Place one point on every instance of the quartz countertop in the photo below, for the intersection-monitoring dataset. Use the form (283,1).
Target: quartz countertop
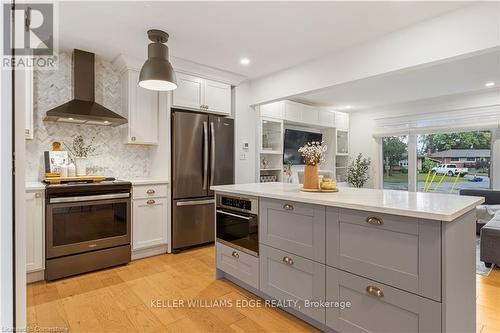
(34,186)
(148,181)
(433,206)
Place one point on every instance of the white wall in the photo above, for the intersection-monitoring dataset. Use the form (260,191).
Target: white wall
(362,123)
(470,29)
(245,131)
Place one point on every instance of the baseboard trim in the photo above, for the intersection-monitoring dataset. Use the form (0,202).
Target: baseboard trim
(149,252)
(35,276)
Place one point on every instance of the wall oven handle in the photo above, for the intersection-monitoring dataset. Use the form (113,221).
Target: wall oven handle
(195,202)
(205,155)
(212,153)
(90,197)
(234,215)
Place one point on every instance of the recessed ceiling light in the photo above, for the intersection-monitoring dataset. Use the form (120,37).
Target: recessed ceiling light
(245,61)
(345,107)
(489,84)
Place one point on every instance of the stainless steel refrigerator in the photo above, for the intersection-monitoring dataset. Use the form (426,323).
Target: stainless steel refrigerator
(202,155)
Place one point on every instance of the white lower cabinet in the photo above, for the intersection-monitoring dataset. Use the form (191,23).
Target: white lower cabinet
(35,259)
(376,307)
(288,277)
(149,218)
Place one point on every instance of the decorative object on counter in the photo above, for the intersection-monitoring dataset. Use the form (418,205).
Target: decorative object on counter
(56,146)
(80,151)
(64,170)
(357,172)
(157,72)
(54,160)
(313,154)
(328,184)
(288,172)
(268,179)
(71,170)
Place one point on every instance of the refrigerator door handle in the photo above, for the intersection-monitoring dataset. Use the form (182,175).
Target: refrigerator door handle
(212,153)
(205,155)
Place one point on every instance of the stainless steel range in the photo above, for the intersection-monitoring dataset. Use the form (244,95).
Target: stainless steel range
(87,227)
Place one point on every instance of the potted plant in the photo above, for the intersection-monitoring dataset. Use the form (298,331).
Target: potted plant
(80,152)
(313,154)
(357,172)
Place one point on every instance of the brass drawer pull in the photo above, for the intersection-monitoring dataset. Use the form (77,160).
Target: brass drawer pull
(287,207)
(38,195)
(150,202)
(235,254)
(374,220)
(288,260)
(374,291)
(150,191)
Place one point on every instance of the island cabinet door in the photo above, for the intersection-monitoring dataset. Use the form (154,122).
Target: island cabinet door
(400,251)
(293,279)
(376,307)
(294,227)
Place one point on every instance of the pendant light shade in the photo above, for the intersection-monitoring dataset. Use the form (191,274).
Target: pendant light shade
(157,72)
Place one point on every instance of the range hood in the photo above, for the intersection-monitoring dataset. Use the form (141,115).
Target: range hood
(83,109)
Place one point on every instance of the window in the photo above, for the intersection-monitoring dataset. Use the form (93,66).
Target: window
(474,173)
(395,159)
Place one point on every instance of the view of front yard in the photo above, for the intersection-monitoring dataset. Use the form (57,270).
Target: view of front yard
(468,152)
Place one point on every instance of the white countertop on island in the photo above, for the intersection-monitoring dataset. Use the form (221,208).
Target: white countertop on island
(433,206)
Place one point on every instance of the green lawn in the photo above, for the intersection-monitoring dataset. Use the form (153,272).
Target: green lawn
(403,178)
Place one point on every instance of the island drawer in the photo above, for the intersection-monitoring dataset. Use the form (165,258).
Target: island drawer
(376,307)
(239,264)
(294,227)
(285,276)
(149,191)
(400,251)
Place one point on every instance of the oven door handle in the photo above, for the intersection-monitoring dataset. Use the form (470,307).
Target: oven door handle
(90,198)
(234,215)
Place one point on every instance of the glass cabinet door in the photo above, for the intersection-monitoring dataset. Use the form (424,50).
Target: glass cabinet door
(342,142)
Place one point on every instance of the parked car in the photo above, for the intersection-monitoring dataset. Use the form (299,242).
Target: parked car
(450,170)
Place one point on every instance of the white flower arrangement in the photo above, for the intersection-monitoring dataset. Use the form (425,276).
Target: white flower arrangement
(313,152)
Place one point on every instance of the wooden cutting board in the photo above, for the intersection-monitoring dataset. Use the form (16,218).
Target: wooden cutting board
(59,180)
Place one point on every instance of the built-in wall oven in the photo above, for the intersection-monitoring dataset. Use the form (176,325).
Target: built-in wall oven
(237,222)
(87,227)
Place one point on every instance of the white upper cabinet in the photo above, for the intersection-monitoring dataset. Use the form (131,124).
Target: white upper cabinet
(24,98)
(272,110)
(293,112)
(327,118)
(342,121)
(189,92)
(201,94)
(141,109)
(217,97)
(35,260)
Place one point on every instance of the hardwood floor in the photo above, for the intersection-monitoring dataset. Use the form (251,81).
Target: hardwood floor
(120,300)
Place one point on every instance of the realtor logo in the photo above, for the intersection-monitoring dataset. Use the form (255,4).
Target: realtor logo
(28,35)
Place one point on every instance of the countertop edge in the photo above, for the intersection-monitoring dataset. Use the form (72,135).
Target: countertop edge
(148,181)
(382,210)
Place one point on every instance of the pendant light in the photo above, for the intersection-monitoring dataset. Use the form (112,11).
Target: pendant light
(157,72)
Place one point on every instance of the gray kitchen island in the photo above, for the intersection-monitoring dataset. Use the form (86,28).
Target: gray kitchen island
(360,260)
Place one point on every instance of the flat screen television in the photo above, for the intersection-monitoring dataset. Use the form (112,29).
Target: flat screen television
(294,139)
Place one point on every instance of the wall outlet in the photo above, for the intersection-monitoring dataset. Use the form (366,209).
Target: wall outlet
(243,156)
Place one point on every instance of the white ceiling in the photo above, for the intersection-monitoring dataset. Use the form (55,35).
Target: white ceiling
(273,35)
(454,77)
